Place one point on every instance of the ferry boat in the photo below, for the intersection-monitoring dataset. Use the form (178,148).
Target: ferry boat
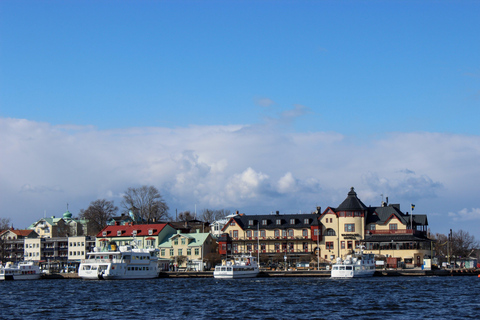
(26,270)
(356,265)
(127,262)
(240,266)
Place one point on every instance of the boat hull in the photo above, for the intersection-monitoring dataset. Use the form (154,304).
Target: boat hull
(235,275)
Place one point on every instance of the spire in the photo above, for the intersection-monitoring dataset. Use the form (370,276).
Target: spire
(352,202)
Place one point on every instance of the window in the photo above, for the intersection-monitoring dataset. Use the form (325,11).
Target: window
(263,246)
(284,233)
(264,222)
(175,242)
(305,232)
(329,245)
(197,251)
(232,223)
(306,221)
(249,233)
(292,221)
(290,246)
(349,227)
(262,233)
(305,246)
(290,232)
(277,233)
(250,222)
(235,247)
(315,232)
(330,232)
(235,234)
(278,222)
(277,246)
(255,234)
(180,252)
(183,240)
(172,253)
(393,226)
(255,247)
(372,227)
(162,252)
(349,245)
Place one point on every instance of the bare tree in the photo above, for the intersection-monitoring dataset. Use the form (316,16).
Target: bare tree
(463,244)
(4,224)
(209,215)
(98,214)
(186,216)
(146,203)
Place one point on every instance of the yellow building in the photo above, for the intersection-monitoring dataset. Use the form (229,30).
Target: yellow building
(384,231)
(188,250)
(293,236)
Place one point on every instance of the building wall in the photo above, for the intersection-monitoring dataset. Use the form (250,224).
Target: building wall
(32,249)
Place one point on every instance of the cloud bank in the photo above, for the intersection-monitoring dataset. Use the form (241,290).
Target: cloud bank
(251,168)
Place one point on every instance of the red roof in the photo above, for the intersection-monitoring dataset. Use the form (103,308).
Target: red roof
(19,233)
(127,230)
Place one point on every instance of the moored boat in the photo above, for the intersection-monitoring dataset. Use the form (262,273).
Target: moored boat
(126,262)
(239,266)
(357,265)
(26,270)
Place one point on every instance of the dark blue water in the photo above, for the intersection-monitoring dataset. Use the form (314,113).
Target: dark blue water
(261,298)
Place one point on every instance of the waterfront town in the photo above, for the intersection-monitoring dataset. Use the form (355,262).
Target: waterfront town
(398,239)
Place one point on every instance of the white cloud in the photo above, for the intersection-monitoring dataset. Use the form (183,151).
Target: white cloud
(465,214)
(259,167)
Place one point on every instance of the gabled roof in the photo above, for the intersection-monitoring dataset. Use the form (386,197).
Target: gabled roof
(243,221)
(20,233)
(380,215)
(351,203)
(127,230)
(195,239)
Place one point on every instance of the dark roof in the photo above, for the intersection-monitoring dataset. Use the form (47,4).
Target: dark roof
(271,221)
(394,237)
(351,203)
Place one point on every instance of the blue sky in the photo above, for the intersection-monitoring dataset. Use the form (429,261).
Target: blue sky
(254,106)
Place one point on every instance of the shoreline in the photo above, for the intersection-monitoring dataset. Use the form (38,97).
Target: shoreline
(299,273)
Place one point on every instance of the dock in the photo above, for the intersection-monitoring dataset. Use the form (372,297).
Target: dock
(299,273)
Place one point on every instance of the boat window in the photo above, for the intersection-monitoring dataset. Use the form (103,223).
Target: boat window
(349,268)
(229,269)
(86,267)
(94,267)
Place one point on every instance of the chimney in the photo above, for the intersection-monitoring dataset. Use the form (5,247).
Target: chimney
(277,213)
(319,210)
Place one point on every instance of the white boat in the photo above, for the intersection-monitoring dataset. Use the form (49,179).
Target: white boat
(240,266)
(26,270)
(125,263)
(357,265)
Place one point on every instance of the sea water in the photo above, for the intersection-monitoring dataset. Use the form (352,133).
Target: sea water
(258,298)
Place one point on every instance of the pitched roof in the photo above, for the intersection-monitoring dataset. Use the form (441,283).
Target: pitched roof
(271,221)
(127,230)
(195,239)
(351,203)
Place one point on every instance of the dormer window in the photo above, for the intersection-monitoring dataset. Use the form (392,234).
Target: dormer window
(292,221)
(134,232)
(104,233)
(250,222)
(264,222)
(306,221)
(150,232)
(278,222)
(119,233)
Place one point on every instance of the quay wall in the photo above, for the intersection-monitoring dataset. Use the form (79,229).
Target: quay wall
(298,273)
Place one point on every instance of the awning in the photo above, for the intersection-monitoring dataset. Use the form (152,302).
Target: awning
(150,238)
(103,240)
